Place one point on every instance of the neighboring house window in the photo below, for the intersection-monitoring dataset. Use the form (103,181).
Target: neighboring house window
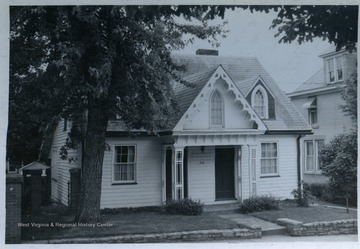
(312,161)
(335,69)
(124,164)
(216,109)
(259,101)
(311,105)
(313,117)
(269,159)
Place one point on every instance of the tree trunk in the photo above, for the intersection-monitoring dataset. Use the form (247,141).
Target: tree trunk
(94,148)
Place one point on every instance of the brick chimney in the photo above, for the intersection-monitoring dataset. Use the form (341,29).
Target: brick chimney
(207,52)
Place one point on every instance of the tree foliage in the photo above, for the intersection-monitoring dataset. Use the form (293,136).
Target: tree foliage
(349,95)
(339,162)
(90,63)
(336,24)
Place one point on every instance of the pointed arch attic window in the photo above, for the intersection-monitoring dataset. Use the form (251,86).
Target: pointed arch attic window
(216,109)
(259,100)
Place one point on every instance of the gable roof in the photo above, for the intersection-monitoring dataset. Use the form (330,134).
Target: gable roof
(186,95)
(244,71)
(207,80)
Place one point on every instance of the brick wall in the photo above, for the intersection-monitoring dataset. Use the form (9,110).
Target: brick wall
(296,228)
(13,208)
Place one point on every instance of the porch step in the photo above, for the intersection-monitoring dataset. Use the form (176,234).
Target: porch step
(222,208)
(274,231)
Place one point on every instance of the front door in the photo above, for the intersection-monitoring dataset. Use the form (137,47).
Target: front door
(224,173)
(168,174)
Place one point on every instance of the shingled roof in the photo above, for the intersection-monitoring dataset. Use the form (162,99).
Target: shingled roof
(244,72)
(315,81)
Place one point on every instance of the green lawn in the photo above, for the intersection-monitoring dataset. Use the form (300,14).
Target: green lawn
(305,214)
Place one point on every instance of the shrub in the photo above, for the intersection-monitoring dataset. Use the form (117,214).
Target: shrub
(330,193)
(259,203)
(339,164)
(301,196)
(318,189)
(184,206)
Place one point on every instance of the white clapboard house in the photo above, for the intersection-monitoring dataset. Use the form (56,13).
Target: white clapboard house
(237,136)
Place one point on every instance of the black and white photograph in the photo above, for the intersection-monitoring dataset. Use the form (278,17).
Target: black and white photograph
(177,124)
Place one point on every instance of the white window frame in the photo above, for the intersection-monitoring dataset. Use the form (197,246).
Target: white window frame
(266,100)
(222,109)
(315,155)
(311,112)
(277,173)
(115,162)
(335,68)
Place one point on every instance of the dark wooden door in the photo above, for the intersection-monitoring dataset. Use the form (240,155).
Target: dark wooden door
(168,174)
(224,173)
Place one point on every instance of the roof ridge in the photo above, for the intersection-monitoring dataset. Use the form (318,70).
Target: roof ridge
(216,56)
(202,72)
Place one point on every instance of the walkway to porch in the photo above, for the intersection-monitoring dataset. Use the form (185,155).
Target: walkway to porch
(231,211)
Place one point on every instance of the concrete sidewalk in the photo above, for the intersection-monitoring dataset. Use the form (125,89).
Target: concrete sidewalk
(290,239)
(267,228)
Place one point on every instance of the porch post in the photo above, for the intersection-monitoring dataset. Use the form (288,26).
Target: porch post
(178,179)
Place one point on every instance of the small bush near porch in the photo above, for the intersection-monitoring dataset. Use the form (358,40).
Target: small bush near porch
(259,203)
(184,206)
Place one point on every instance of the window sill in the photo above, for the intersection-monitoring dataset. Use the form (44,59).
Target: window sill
(269,176)
(315,126)
(124,183)
(312,173)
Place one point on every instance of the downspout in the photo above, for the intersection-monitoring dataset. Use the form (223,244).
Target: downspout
(299,162)
(249,168)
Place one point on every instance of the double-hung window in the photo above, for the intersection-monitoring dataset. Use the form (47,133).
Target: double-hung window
(313,116)
(312,161)
(335,69)
(269,159)
(311,105)
(124,164)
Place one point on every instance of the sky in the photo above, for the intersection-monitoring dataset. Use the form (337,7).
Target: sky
(249,36)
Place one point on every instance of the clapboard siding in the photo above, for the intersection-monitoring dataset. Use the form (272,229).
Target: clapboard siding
(287,181)
(148,188)
(201,171)
(245,177)
(201,174)
(61,175)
